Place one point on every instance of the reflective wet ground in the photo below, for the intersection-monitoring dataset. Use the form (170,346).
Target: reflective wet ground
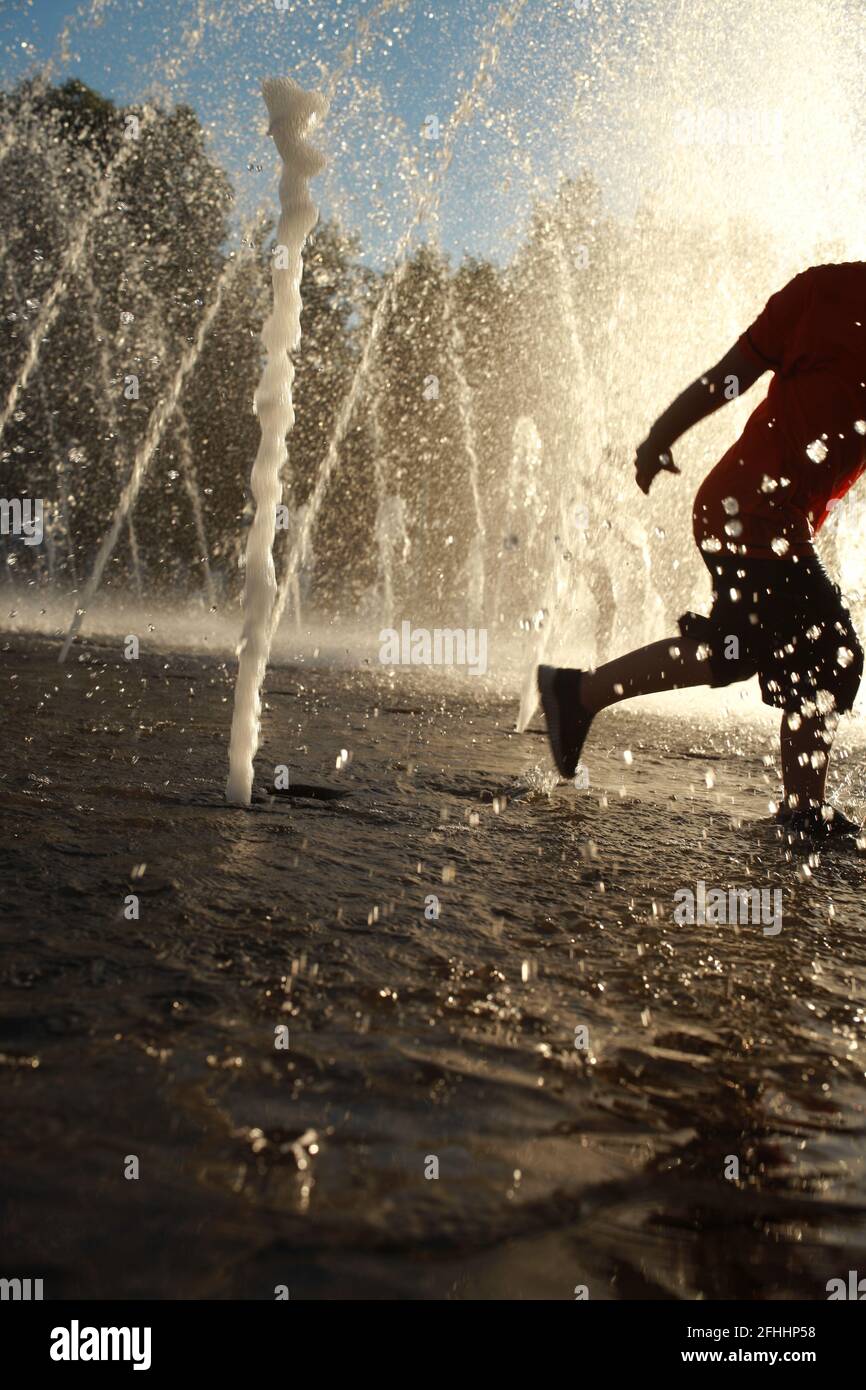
(415,1040)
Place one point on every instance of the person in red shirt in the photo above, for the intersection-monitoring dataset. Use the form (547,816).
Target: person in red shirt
(775,612)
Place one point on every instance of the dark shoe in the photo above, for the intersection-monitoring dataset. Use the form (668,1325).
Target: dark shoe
(823,824)
(567,721)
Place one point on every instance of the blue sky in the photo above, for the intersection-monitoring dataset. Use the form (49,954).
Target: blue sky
(579,83)
(421,58)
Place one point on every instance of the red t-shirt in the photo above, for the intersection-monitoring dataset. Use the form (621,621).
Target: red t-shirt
(804,445)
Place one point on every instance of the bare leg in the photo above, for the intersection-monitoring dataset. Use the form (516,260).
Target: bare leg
(672,664)
(805,759)
(675,664)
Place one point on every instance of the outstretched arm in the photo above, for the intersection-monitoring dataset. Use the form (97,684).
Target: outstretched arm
(699,400)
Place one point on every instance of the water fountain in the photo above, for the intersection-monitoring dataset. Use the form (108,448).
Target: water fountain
(294,114)
(427,207)
(160,416)
(588,350)
(518,558)
(394,547)
(80,232)
(458,361)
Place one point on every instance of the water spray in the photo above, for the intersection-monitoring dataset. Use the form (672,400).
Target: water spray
(69,266)
(427,206)
(158,421)
(293,114)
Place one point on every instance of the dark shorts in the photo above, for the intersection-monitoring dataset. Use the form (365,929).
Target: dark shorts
(785,621)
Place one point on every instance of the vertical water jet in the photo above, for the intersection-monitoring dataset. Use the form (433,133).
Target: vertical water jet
(293,114)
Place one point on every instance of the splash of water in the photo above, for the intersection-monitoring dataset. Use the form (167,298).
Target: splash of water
(427,206)
(523,513)
(108,406)
(392,542)
(193,492)
(135,555)
(293,114)
(188,470)
(390,528)
(303,575)
(159,418)
(71,262)
(475,568)
(365,30)
(716,189)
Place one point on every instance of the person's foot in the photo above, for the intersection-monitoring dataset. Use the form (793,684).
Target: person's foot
(819,823)
(567,721)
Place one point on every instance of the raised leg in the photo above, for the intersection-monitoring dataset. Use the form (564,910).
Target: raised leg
(672,664)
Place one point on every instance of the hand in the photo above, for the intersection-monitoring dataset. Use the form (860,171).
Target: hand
(651,458)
